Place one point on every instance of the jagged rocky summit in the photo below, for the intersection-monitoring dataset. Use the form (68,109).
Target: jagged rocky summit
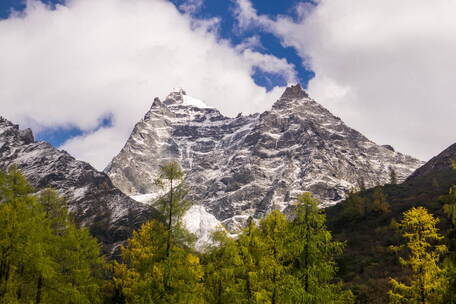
(92,199)
(247,165)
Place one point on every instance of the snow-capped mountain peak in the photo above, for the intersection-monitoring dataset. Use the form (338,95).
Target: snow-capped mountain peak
(243,166)
(180,97)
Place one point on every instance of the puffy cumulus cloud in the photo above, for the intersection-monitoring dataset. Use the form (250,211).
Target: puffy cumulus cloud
(73,65)
(386,67)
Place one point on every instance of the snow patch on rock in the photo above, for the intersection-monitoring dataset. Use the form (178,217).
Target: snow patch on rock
(196,220)
(147,198)
(201,223)
(194,102)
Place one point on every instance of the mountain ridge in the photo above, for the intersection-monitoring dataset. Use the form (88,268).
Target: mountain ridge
(92,199)
(243,166)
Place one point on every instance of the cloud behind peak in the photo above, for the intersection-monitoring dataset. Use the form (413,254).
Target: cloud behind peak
(73,64)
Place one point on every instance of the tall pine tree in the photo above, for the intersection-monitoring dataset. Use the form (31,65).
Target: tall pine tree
(277,261)
(379,204)
(314,252)
(427,280)
(276,258)
(250,248)
(353,208)
(223,271)
(24,241)
(37,243)
(157,265)
(393,176)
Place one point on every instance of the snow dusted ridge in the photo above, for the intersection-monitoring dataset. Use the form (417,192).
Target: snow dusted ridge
(244,166)
(92,198)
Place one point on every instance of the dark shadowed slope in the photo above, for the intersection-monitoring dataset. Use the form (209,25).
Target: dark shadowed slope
(367,263)
(92,198)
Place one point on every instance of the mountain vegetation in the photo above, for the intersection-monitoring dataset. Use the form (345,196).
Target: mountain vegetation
(427,280)
(368,264)
(293,258)
(44,257)
(340,254)
(274,261)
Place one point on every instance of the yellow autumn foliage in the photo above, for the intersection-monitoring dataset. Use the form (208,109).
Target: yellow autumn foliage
(427,279)
(141,277)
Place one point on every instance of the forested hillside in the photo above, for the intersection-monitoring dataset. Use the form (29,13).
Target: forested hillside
(389,244)
(367,264)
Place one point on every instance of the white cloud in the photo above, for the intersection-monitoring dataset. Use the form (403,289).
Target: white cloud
(386,67)
(252,42)
(270,64)
(88,59)
(191,6)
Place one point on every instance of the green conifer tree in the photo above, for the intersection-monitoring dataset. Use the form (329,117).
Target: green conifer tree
(76,255)
(158,266)
(313,256)
(172,205)
(142,276)
(223,270)
(23,241)
(353,208)
(250,251)
(379,204)
(276,258)
(277,261)
(34,233)
(393,176)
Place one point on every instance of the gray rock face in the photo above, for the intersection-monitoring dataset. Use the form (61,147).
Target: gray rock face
(245,166)
(92,198)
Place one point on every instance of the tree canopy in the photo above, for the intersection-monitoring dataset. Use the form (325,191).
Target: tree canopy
(44,257)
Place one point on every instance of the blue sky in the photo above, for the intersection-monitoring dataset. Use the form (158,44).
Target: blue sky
(81,75)
(222,9)
(6,6)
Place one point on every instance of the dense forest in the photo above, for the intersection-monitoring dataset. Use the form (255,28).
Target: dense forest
(375,247)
